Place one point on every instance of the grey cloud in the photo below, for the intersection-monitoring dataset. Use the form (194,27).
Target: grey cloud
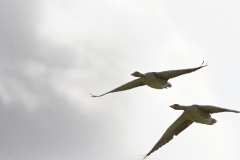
(45,108)
(36,121)
(59,132)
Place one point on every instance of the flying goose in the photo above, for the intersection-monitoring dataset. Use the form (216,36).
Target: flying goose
(157,80)
(194,113)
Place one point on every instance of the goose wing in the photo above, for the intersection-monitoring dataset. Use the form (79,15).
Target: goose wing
(213,109)
(177,127)
(175,73)
(135,83)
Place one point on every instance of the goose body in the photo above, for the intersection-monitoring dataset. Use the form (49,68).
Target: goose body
(157,80)
(152,80)
(195,113)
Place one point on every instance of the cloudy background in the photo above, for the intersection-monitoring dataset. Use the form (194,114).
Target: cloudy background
(54,53)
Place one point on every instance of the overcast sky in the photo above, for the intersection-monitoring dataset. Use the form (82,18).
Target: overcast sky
(54,53)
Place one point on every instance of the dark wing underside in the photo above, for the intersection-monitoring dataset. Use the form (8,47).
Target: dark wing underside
(135,83)
(213,109)
(177,127)
(175,73)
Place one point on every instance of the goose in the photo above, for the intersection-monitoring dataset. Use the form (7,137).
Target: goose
(193,113)
(156,80)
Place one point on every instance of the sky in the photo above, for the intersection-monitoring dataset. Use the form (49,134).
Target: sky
(54,53)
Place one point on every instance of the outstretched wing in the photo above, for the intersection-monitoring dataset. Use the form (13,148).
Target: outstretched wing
(213,109)
(174,73)
(177,127)
(135,83)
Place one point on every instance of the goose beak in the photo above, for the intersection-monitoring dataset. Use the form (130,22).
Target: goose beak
(172,106)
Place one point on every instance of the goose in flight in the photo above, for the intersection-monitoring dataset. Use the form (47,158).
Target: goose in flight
(194,113)
(157,80)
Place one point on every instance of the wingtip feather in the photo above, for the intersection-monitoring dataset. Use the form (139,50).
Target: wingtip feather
(144,156)
(93,96)
(204,65)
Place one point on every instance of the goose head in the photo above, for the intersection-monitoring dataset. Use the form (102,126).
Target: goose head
(177,107)
(137,74)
